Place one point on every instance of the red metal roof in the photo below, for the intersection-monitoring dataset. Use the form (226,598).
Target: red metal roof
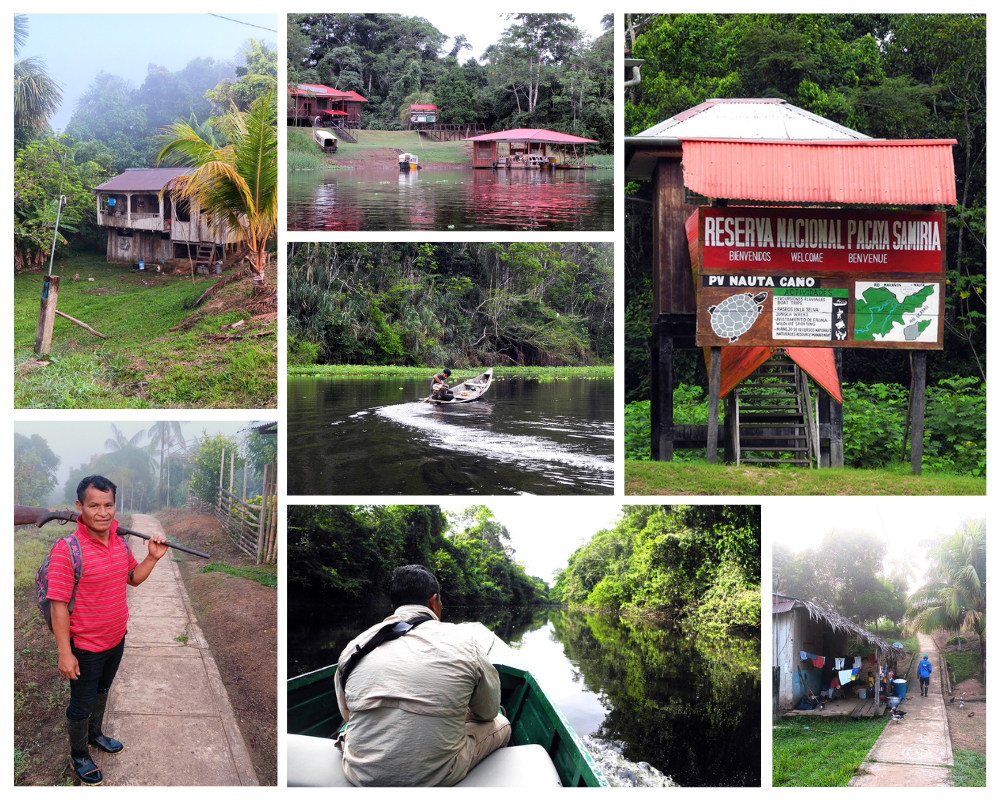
(422,107)
(319,90)
(530,135)
(871,171)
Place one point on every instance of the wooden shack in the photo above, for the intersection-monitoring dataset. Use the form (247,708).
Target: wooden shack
(147,222)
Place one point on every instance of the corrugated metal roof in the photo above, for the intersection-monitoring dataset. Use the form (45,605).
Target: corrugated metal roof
(319,90)
(530,135)
(142,180)
(749,118)
(893,172)
(422,107)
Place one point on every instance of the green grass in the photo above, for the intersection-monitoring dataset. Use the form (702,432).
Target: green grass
(969,769)
(304,154)
(142,363)
(265,574)
(827,755)
(30,548)
(963,665)
(499,373)
(701,478)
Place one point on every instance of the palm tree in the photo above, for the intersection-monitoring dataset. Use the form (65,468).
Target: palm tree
(165,435)
(956,596)
(237,184)
(131,464)
(36,95)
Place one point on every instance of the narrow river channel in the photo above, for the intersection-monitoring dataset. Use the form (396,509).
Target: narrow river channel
(373,436)
(685,702)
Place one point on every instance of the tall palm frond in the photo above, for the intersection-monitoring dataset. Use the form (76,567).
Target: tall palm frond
(36,94)
(955,599)
(237,185)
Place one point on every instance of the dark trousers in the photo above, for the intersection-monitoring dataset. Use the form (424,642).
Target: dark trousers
(97,673)
(925,684)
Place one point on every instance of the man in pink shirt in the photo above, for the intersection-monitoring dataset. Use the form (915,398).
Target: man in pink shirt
(91,638)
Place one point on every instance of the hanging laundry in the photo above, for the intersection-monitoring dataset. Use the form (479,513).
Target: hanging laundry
(857,662)
(818,661)
(838,663)
(871,659)
(854,673)
(845,676)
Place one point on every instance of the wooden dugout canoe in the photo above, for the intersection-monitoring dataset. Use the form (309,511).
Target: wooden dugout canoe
(467,391)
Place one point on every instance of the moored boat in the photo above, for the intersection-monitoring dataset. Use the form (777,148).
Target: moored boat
(467,391)
(326,140)
(543,750)
(408,162)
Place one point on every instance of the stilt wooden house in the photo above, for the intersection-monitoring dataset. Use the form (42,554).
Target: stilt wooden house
(307,101)
(146,221)
(524,146)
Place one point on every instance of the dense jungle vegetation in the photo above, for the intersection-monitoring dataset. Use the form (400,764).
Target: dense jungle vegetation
(542,73)
(456,304)
(695,562)
(894,76)
(339,556)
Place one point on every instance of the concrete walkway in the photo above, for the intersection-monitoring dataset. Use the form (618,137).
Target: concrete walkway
(168,703)
(916,751)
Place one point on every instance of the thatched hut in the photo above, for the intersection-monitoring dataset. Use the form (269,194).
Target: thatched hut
(801,626)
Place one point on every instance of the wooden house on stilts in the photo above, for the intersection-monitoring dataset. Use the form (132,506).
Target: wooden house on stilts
(146,221)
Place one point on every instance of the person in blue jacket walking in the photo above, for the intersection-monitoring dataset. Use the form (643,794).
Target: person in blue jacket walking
(924,669)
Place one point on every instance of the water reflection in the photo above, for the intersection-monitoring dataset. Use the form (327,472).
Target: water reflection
(451,199)
(685,701)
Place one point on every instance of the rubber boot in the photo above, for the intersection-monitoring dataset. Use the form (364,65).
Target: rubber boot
(95,735)
(79,754)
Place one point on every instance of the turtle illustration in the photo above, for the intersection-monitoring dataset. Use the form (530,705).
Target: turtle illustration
(736,314)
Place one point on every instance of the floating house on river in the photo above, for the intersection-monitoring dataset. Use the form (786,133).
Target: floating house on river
(528,148)
(146,221)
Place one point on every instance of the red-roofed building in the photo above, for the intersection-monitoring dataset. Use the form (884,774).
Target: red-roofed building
(307,101)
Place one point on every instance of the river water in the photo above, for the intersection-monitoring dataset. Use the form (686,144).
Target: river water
(372,436)
(459,199)
(685,702)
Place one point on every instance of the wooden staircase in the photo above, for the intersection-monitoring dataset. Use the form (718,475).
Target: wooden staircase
(206,253)
(343,134)
(770,416)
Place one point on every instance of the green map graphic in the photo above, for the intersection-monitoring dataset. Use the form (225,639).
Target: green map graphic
(878,311)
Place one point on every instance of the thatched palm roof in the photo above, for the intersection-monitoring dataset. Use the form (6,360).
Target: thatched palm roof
(838,622)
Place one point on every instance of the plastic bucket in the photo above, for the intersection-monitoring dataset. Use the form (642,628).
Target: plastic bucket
(900,685)
(861,694)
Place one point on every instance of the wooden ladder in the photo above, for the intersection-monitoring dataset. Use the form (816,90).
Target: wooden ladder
(773,422)
(206,253)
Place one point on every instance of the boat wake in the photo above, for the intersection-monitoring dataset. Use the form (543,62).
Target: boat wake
(506,447)
(619,771)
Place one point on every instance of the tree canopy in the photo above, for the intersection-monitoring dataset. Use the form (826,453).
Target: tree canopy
(459,304)
(345,555)
(543,72)
(681,560)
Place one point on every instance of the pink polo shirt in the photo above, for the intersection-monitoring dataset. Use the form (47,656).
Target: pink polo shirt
(100,612)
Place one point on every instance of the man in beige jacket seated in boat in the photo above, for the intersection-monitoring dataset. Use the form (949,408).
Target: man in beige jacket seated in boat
(422,707)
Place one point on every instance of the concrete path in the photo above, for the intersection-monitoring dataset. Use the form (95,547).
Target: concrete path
(168,703)
(916,751)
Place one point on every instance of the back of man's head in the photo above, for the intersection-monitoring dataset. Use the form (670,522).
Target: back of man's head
(412,585)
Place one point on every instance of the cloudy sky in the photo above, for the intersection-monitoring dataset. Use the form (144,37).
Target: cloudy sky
(76,47)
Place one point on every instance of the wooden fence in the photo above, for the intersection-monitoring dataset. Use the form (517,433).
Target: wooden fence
(252,528)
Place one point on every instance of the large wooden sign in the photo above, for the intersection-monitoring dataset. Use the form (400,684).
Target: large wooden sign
(817,278)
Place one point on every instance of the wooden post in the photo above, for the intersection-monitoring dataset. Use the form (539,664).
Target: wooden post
(222,472)
(918,365)
(837,415)
(714,380)
(46,315)
(662,391)
(262,520)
